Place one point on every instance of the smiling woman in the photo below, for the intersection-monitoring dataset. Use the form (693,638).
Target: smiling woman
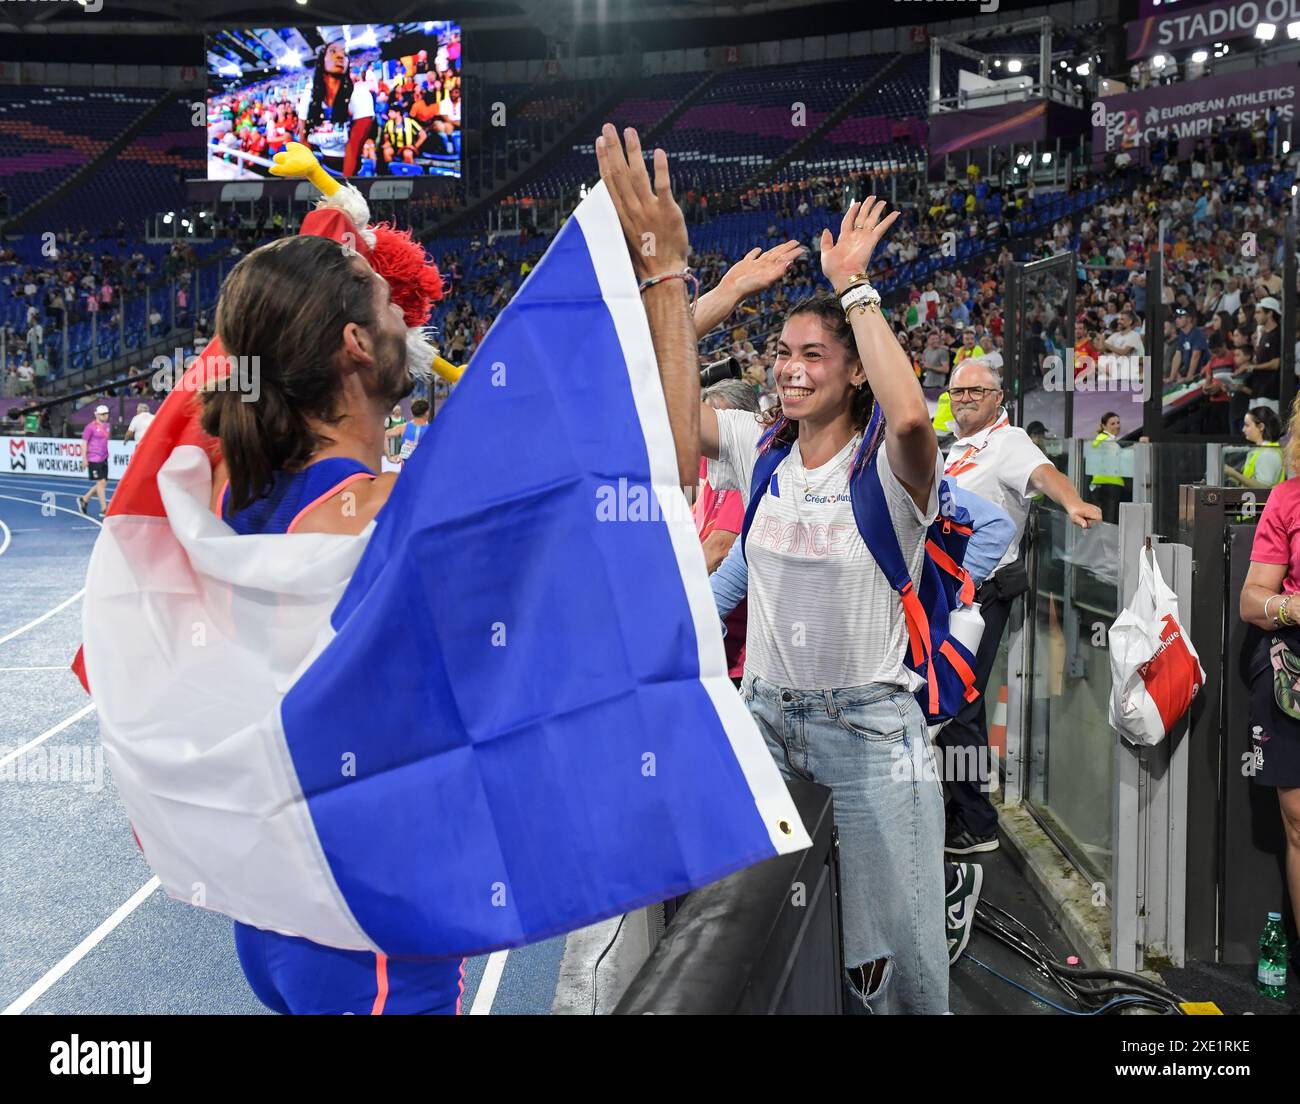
(827,633)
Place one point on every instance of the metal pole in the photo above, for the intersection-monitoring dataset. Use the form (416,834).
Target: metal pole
(1153,420)
(1287,383)
(1015,346)
(1071,286)
(1045,56)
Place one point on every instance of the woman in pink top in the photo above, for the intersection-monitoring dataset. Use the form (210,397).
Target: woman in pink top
(1270,600)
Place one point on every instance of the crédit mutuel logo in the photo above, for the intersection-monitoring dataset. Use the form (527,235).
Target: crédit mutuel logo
(90,6)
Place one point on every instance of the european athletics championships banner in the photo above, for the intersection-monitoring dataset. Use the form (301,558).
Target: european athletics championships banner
(1190,110)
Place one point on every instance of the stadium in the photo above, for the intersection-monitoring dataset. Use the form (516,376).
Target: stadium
(368,385)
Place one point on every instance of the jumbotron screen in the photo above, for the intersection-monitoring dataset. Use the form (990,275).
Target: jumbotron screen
(371,100)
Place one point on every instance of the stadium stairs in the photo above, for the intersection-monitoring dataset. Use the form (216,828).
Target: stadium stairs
(664,125)
(770,171)
(24,218)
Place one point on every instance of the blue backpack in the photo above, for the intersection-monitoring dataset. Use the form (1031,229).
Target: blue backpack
(944,662)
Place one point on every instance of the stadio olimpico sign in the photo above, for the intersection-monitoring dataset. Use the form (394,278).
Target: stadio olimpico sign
(1180,27)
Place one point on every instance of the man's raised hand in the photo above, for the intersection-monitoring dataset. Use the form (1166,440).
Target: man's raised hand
(652,223)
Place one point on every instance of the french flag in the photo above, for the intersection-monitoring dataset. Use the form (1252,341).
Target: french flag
(500,713)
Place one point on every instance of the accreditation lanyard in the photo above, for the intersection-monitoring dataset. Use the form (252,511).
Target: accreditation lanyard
(965,461)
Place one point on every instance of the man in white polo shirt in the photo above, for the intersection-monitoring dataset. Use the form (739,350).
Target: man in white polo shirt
(142,420)
(998,462)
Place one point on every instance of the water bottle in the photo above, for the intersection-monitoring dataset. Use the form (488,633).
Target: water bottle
(1271,978)
(967,625)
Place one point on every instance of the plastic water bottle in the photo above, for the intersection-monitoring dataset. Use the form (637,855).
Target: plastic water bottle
(1271,978)
(967,625)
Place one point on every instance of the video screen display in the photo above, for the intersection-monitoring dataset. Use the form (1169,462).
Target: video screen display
(371,100)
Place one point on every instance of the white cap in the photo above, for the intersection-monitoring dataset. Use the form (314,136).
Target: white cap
(101,409)
(1269,303)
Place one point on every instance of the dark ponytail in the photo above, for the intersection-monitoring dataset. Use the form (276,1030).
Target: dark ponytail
(281,317)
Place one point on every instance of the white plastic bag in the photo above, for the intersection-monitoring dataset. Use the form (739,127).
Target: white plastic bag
(1155,672)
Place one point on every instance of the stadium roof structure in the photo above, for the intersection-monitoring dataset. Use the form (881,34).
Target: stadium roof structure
(170,16)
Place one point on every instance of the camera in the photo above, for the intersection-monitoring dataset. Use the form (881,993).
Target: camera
(724,369)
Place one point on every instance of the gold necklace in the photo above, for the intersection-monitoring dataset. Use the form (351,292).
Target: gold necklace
(807,488)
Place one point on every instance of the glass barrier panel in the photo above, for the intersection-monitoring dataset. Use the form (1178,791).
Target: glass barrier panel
(1069,745)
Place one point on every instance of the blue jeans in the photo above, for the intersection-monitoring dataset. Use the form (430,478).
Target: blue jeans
(866,744)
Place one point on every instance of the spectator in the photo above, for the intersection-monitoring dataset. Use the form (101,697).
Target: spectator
(1264,468)
(996,461)
(141,422)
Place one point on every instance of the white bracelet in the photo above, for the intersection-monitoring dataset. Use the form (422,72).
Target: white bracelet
(859,293)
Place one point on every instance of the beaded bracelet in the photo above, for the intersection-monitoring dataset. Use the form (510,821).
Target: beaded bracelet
(861,295)
(685,275)
(1284,613)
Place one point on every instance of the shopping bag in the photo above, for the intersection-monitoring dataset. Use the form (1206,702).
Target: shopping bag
(1154,670)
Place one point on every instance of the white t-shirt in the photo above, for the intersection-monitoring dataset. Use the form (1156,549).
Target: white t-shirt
(1131,341)
(822,615)
(361,104)
(996,464)
(139,424)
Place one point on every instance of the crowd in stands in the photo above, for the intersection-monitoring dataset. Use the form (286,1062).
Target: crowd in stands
(71,280)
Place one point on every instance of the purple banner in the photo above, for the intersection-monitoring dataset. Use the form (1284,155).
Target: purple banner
(1190,110)
(1184,26)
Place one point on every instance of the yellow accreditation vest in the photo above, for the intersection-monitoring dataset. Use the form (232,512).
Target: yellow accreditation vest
(942,421)
(1249,470)
(1105,480)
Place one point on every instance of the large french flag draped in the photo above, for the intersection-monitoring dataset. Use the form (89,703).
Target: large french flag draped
(500,713)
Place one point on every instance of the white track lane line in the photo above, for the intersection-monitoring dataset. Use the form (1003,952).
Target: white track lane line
(487,987)
(82,949)
(67,601)
(51,506)
(65,723)
(57,488)
(43,617)
(8,537)
(9,670)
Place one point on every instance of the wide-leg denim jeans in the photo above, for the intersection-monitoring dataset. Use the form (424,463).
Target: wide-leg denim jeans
(869,745)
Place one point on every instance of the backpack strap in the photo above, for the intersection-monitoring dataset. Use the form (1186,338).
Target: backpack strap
(764,480)
(946,563)
(871,512)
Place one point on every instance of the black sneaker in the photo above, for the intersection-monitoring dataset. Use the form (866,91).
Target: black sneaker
(961,841)
(959,905)
(81,505)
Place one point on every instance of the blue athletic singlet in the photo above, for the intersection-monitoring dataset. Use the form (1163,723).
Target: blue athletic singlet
(295,976)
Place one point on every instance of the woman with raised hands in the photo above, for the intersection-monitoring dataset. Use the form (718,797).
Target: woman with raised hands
(825,676)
